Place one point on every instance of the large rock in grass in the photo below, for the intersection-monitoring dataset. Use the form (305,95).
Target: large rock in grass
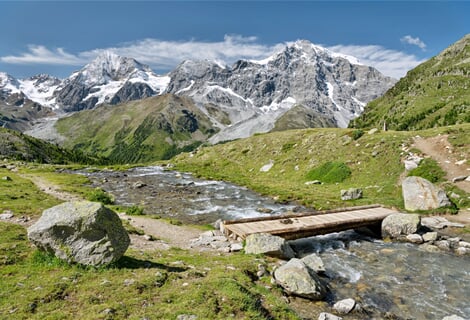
(264,243)
(81,232)
(351,194)
(298,279)
(420,194)
(400,224)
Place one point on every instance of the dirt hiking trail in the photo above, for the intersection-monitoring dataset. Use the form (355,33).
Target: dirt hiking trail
(165,234)
(454,164)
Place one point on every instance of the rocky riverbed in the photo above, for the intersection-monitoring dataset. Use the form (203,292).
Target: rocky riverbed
(180,196)
(390,280)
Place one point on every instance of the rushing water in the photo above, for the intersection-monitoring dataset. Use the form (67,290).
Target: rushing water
(183,197)
(391,280)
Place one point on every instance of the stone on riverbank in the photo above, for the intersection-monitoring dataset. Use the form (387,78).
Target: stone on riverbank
(430,236)
(420,194)
(344,306)
(263,243)
(400,224)
(314,262)
(328,316)
(81,232)
(439,223)
(453,317)
(414,238)
(298,279)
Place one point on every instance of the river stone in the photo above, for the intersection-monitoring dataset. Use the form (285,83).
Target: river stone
(344,306)
(264,243)
(429,248)
(439,223)
(328,316)
(414,238)
(420,194)
(430,236)
(443,245)
(464,244)
(81,232)
(398,224)
(453,317)
(314,262)
(297,279)
(351,194)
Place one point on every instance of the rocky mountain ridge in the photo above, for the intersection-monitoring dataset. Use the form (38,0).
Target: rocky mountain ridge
(325,88)
(253,95)
(109,79)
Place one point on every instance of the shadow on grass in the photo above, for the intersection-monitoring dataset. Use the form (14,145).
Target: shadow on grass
(131,263)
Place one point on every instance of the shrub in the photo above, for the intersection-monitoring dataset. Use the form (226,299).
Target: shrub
(428,169)
(135,210)
(288,146)
(330,172)
(99,195)
(356,134)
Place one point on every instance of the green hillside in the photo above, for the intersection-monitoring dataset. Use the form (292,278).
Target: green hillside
(345,158)
(17,146)
(435,93)
(138,131)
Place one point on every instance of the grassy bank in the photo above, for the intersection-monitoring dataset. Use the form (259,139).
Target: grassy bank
(153,285)
(374,161)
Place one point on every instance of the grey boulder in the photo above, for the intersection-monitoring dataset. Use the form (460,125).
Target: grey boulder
(328,316)
(314,262)
(351,194)
(264,243)
(344,306)
(298,279)
(81,232)
(400,224)
(420,194)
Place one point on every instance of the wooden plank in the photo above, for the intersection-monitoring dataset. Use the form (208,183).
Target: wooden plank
(296,215)
(308,225)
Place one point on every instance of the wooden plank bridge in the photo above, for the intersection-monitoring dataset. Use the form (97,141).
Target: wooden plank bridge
(297,226)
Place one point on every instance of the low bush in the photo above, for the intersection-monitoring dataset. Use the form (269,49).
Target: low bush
(135,211)
(330,172)
(428,169)
(99,195)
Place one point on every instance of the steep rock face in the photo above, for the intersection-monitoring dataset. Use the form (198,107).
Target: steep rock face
(17,111)
(132,91)
(108,79)
(255,94)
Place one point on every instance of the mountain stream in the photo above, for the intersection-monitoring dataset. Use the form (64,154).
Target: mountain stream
(391,280)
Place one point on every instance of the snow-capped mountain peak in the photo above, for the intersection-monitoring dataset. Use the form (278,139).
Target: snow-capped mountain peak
(309,52)
(109,78)
(9,84)
(109,66)
(253,96)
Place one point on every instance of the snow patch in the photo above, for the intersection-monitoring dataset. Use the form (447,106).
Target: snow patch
(287,103)
(187,88)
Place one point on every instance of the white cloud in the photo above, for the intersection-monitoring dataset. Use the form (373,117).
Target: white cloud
(414,41)
(165,55)
(392,63)
(42,55)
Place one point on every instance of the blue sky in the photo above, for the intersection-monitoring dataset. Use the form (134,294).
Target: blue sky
(58,37)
